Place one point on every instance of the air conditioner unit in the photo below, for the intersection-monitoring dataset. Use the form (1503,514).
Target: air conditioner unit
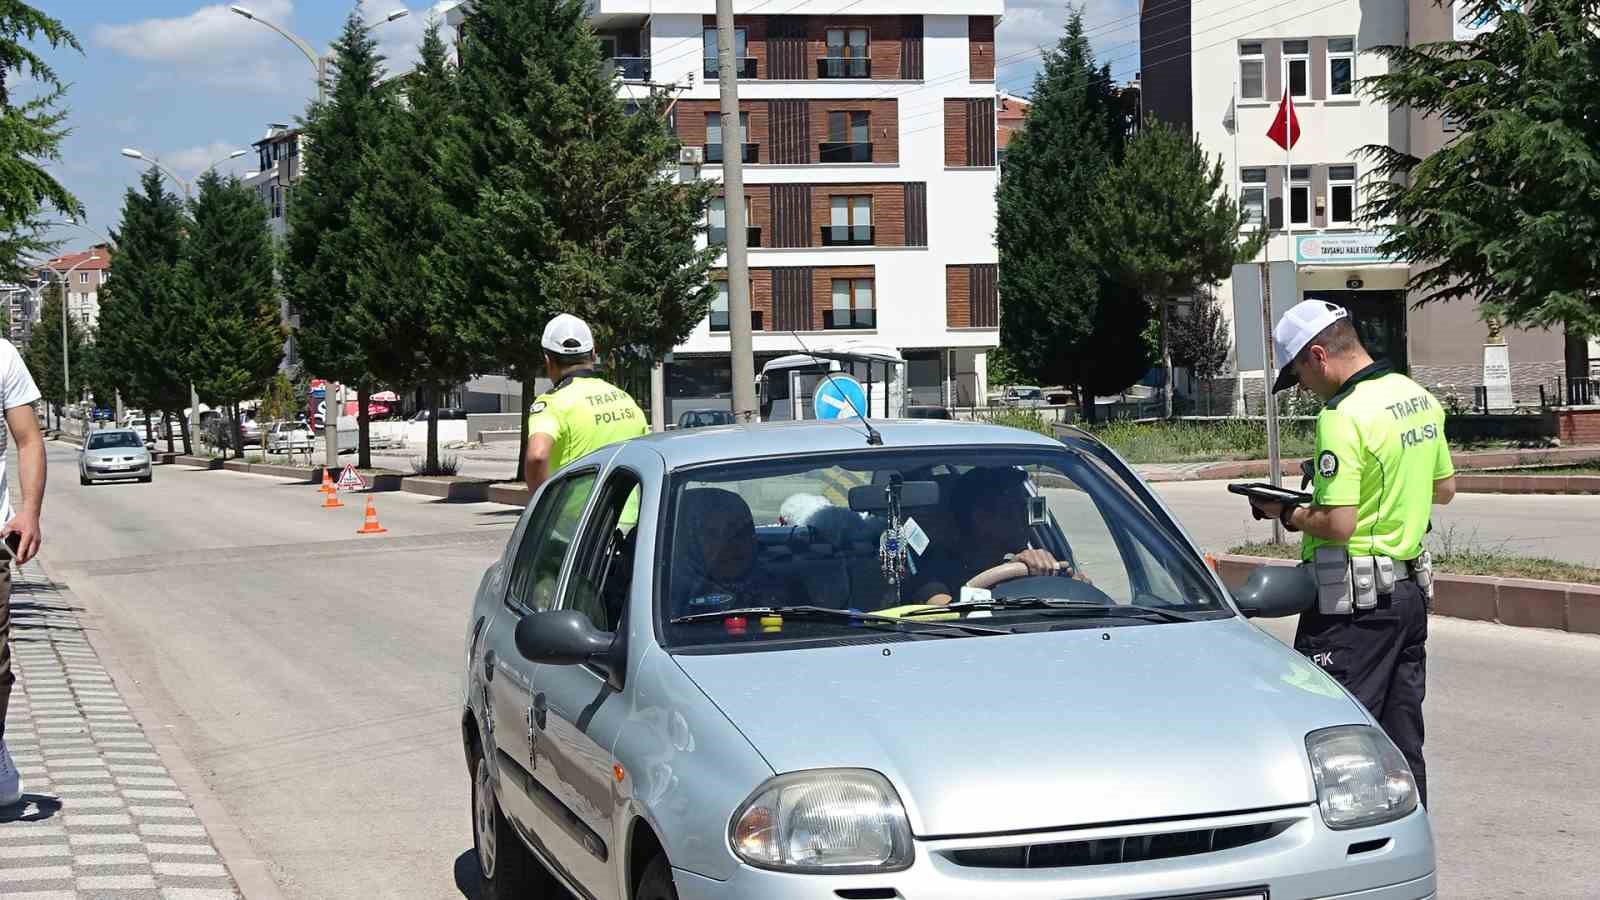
(691,156)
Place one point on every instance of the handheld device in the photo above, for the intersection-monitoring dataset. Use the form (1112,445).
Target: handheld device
(1261,490)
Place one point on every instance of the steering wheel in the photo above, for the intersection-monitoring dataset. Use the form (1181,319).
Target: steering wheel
(1012,580)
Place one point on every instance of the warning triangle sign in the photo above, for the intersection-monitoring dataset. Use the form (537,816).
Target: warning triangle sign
(351,480)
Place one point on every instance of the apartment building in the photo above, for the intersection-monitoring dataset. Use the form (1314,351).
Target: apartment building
(17,300)
(85,277)
(1220,69)
(869,142)
(277,170)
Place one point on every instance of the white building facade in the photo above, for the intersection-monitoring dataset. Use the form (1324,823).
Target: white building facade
(870,176)
(1221,68)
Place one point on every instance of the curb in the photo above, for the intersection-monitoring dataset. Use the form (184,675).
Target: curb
(1475,459)
(451,490)
(1519,602)
(509,494)
(1528,484)
(198,462)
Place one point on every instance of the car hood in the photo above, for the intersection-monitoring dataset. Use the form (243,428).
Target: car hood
(1044,731)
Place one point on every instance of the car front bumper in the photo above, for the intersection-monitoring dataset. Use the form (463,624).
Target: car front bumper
(101,474)
(1308,861)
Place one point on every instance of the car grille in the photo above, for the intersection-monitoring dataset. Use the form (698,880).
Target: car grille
(1109,851)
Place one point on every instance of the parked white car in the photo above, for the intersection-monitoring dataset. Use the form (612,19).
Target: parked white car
(289,437)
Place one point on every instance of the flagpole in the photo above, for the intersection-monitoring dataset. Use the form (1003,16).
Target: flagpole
(1270,373)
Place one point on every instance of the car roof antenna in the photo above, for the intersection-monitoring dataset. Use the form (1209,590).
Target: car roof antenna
(874,439)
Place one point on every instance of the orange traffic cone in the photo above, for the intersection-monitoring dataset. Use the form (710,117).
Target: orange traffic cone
(371,526)
(332,502)
(328,487)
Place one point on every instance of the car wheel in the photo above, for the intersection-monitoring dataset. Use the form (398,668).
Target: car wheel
(506,868)
(656,882)
(147,479)
(83,481)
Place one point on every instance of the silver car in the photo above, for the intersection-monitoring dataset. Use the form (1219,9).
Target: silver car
(115,453)
(948,661)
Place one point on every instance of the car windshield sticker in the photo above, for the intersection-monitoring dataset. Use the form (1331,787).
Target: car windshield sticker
(916,538)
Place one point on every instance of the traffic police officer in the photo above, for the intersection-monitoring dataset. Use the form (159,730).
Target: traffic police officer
(581,413)
(1381,465)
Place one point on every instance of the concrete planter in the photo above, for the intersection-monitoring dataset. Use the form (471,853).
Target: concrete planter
(450,489)
(509,494)
(1521,602)
(199,462)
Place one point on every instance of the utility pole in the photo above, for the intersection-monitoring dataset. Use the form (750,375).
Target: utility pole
(740,341)
(1269,373)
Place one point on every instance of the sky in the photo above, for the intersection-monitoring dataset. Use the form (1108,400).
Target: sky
(189,82)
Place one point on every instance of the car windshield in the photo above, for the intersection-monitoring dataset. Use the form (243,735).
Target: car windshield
(814,533)
(113,440)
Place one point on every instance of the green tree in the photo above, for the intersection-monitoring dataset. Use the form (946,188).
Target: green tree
(410,280)
(319,275)
(5,322)
(1164,223)
(278,402)
(1066,321)
(30,137)
(1508,213)
(43,353)
(227,270)
(1200,341)
(147,329)
(578,211)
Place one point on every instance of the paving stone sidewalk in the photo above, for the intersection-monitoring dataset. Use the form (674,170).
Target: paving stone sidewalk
(101,815)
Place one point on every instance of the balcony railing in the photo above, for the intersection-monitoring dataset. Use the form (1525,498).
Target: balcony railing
(844,152)
(844,67)
(631,68)
(744,67)
(835,319)
(750,152)
(720,320)
(720,236)
(848,235)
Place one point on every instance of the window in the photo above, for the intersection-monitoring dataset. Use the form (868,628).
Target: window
(717,219)
(719,307)
(847,54)
(83,277)
(850,222)
(608,46)
(1341,195)
(545,542)
(104,275)
(1253,196)
(714,138)
(743,63)
(1252,71)
(1297,68)
(1341,67)
(1300,195)
(603,572)
(852,304)
(849,138)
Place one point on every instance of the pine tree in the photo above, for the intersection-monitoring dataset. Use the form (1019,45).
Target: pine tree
(578,211)
(1508,213)
(1163,223)
(320,276)
(410,279)
(146,329)
(43,353)
(1064,320)
(227,270)
(30,136)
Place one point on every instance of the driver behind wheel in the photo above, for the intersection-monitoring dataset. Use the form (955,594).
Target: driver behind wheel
(989,506)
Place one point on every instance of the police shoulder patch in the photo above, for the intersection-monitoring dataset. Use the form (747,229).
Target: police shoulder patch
(537,407)
(1328,464)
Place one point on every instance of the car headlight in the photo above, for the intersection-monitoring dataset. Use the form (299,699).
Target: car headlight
(1361,777)
(832,821)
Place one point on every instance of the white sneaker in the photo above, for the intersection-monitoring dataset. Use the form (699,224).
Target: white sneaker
(10,779)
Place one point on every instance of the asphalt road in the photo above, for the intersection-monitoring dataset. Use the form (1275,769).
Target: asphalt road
(311,677)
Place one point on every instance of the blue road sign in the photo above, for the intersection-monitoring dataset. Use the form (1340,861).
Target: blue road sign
(839,397)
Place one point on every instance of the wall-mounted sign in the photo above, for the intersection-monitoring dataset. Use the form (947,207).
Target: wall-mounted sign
(1340,249)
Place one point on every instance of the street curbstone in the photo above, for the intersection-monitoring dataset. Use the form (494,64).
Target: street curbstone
(509,494)
(199,462)
(1467,597)
(1532,604)
(1583,609)
(451,490)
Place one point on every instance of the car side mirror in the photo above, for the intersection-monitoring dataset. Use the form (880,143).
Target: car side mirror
(565,637)
(1277,592)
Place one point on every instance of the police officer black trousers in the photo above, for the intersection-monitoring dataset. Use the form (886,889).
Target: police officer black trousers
(1381,656)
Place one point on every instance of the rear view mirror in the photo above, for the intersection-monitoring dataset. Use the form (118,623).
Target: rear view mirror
(1277,592)
(874,498)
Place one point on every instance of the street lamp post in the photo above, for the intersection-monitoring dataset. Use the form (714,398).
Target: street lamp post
(188,194)
(320,70)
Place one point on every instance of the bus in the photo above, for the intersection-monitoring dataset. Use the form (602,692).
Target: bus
(788,385)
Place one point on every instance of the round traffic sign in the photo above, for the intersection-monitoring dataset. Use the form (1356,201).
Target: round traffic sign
(839,397)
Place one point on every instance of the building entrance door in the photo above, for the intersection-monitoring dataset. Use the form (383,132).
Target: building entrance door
(1380,319)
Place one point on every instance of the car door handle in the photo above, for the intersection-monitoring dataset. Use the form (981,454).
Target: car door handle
(541,707)
(489,660)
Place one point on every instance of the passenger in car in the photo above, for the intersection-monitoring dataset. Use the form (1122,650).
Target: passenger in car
(716,563)
(989,510)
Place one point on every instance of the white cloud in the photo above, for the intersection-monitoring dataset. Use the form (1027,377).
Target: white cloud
(206,36)
(1032,26)
(187,162)
(400,42)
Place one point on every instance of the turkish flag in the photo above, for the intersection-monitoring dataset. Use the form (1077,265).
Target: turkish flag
(1285,130)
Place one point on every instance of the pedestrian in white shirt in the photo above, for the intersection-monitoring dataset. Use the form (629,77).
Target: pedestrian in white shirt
(21,529)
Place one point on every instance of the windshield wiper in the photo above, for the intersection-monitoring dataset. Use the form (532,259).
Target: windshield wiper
(1075,607)
(822,612)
